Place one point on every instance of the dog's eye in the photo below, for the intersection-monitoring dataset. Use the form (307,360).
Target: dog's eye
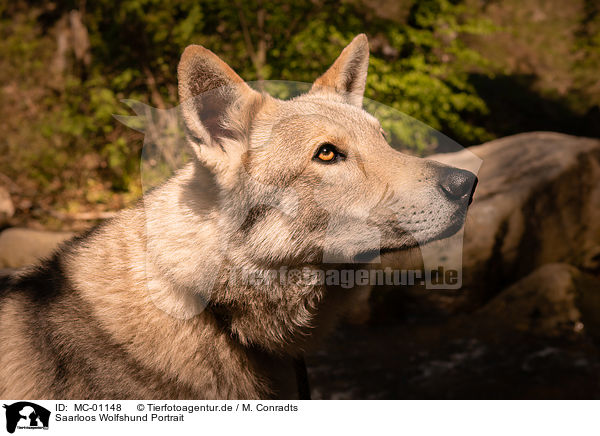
(327,153)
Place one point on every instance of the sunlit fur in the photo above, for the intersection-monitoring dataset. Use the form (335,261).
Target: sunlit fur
(148,304)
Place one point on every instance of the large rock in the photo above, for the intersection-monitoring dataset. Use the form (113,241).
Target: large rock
(554,300)
(21,247)
(537,202)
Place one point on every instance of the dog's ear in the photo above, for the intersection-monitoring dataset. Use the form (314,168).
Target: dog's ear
(348,74)
(213,98)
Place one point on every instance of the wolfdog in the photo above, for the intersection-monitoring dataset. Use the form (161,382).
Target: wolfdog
(149,305)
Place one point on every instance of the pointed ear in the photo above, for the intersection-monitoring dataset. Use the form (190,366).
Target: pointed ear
(212,97)
(348,74)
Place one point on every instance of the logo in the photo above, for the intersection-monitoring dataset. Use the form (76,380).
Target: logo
(26,415)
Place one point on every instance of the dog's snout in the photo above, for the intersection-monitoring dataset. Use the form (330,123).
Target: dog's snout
(458,185)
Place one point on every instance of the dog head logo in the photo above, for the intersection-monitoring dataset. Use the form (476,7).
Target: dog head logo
(26,415)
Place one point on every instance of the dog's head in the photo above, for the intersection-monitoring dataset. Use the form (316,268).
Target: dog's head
(312,178)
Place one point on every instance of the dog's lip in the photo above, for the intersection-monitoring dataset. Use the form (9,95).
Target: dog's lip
(457,221)
(371,254)
(451,230)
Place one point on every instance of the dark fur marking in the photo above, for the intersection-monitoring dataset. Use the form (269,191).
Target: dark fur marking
(255,214)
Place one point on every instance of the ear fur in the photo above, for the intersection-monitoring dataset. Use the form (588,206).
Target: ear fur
(210,93)
(348,74)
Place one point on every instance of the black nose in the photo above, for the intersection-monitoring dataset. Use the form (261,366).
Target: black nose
(458,185)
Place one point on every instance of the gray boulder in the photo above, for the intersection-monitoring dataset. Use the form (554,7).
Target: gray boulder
(537,202)
(554,300)
(21,247)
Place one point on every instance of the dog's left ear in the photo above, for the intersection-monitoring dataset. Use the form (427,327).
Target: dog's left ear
(348,74)
(215,102)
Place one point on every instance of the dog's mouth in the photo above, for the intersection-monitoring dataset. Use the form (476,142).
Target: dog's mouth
(401,239)
(369,255)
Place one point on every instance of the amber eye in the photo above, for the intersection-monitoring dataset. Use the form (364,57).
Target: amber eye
(327,153)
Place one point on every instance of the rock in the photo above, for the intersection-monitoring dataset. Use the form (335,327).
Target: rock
(21,247)
(554,300)
(537,202)
(7,209)
(5,272)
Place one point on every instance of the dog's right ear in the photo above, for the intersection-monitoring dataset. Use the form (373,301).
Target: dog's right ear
(347,77)
(214,101)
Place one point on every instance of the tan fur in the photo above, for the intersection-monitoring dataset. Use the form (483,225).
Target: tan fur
(148,305)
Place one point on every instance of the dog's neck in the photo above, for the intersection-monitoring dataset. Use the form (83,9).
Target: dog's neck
(190,269)
(163,266)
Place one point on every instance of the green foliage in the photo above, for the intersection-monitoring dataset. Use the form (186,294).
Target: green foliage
(419,66)
(587,48)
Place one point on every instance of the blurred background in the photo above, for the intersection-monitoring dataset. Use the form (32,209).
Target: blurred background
(476,70)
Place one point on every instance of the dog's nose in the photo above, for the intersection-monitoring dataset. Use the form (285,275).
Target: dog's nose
(458,184)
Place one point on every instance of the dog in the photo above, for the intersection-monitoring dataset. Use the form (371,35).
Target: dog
(149,304)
